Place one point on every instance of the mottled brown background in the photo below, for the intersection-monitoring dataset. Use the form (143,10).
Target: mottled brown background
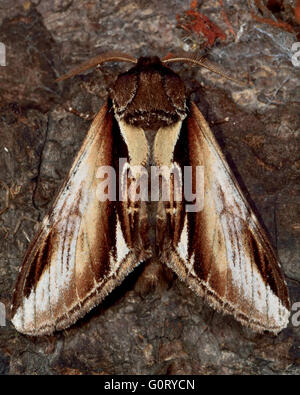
(168,330)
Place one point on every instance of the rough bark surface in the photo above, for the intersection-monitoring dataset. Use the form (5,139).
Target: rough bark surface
(168,330)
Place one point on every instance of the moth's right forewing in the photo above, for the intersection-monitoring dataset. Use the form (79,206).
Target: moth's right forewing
(80,253)
(223,253)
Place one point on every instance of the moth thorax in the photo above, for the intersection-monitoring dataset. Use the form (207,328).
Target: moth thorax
(149,95)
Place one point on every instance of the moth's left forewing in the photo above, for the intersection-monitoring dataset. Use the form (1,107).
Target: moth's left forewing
(223,253)
(80,253)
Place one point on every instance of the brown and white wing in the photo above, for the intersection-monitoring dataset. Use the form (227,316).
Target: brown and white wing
(223,253)
(80,253)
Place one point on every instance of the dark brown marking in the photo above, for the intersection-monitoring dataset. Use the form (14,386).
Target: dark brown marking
(256,255)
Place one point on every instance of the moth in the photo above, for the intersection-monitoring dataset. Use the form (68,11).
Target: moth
(86,245)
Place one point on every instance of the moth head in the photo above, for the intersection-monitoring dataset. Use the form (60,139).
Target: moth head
(149,95)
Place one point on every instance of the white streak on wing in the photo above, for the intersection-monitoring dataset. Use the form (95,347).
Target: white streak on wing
(177,180)
(121,249)
(121,246)
(227,222)
(260,292)
(54,269)
(246,272)
(112,262)
(273,305)
(182,246)
(18,319)
(69,257)
(277,312)
(28,310)
(24,319)
(42,293)
(268,303)
(242,265)
(124,192)
(284,315)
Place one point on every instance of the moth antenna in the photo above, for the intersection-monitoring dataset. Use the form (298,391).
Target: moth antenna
(202,61)
(97,60)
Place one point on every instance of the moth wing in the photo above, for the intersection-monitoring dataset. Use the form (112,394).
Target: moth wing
(79,254)
(223,253)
